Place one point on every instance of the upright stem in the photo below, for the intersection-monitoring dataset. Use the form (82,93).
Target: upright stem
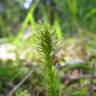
(47,47)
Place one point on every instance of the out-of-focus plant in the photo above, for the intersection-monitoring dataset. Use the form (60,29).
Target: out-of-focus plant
(74,14)
(22,92)
(29,18)
(10,17)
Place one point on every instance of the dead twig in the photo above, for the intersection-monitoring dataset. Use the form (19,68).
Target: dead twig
(21,82)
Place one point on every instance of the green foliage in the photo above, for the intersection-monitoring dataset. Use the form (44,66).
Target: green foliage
(47,49)
(10,17)
(22,92)
(29,18)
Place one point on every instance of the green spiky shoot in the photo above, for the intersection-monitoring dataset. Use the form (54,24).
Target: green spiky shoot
(47,50)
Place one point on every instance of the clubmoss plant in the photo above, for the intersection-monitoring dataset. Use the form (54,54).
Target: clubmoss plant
(47,49)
